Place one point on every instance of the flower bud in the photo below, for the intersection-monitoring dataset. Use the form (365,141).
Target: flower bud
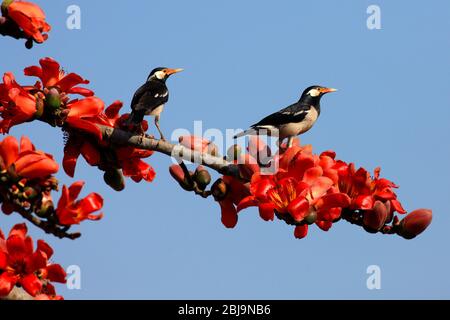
(219,190)
(29,43)
(29,193)
(374,219)
(7,208)
(53,99)
(178,174)
(46,209)
(415,223)
(202,177)
(311,217)
(114,179)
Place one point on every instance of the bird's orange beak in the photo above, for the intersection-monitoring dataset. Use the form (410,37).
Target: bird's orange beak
(327,90)
(172,71)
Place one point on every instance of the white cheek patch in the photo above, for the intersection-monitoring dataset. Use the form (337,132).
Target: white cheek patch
(160,75)
(314,92)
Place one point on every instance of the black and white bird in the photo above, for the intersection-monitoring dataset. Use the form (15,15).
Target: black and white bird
(292,120)
(150,98)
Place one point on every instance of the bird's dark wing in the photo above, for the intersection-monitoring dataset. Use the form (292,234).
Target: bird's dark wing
(294,113)
(149,96)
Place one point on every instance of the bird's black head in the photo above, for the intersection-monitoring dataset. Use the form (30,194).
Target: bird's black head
(312,94)
(162,74)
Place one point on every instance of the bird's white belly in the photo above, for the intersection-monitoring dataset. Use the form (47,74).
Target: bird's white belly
(157,111)
(294,129)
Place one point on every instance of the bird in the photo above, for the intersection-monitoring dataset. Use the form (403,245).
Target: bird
(151,97)
(292,120)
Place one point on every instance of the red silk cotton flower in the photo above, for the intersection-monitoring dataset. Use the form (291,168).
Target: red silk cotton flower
(17,105)
(99,153)
(51,75)
(72,211)
(25,161)
(21,265)
(30,18)
(301,193)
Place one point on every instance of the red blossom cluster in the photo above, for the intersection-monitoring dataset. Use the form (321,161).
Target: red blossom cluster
(308,188)
(22,19)
(27,181)
(21,265)
(49,100)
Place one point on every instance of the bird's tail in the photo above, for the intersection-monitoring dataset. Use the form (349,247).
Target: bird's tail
(250,131)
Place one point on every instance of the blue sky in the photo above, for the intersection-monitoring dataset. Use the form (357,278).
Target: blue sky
(244,60)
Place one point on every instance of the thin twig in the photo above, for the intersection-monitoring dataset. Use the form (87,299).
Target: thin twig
(60,232)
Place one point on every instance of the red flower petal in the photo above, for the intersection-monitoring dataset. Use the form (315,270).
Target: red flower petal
(333,200)
(247,202)
(267,211)
(397,206)
(35,165)
(26,145)
(56,273)
(3,260)
(324,225)
(364,202)
(9,150)
(298,208)
(312,174)
(31,284)
(69,81)
(81,91)
(90,154)
(44,247)
(229,214)
(71,153)
(301,231)
(7,283)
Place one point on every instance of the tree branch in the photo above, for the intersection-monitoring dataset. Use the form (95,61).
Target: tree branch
(60,232)
(121,137)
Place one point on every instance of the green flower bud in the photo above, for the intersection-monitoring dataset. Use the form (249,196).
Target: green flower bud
(53,99)
(114,179)
(202,177)
(219,190)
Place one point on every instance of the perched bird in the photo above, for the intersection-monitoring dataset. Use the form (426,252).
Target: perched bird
(292,120)
(150,98)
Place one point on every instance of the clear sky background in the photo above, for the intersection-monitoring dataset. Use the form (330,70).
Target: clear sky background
(244,60)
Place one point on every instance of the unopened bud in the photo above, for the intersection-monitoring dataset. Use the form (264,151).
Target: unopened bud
(114,179)
(415,223)
(53,99)
(311,217)
(7,208)
(29,193)
(29,43)
(46,209)
(219,190)
(374,219)
(178,174)
(202,177)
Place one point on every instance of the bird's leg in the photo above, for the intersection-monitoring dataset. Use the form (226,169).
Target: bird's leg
(290,142)
(159,129)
